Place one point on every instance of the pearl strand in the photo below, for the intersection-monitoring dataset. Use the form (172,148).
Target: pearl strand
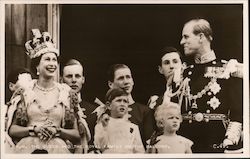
(44,89)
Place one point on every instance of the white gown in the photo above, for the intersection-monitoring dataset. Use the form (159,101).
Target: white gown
(173,144)
(38,115)
(41,108)
(120,136)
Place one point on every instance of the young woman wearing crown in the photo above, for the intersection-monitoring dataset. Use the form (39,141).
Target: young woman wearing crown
(44,116)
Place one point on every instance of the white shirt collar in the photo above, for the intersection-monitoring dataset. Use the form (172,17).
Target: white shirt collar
(79,97)
(130,100)
(208,57)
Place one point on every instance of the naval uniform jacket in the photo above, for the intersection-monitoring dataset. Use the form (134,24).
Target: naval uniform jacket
(217,101)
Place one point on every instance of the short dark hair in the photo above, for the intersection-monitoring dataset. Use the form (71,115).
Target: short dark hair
(71,62)
(113,93)
(167,50)
(112,69)
(13,75)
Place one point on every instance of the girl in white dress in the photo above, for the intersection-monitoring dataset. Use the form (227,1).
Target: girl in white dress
(168,119)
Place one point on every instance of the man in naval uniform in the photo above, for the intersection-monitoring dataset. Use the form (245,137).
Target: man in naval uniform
(214,116)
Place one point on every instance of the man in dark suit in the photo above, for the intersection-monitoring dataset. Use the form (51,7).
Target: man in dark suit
(73,75)
(120,77)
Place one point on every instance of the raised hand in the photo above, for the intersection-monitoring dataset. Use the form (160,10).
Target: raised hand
(105,120)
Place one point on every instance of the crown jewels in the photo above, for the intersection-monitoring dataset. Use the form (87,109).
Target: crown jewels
(40,44)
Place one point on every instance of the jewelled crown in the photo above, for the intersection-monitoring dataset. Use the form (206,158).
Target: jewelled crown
(40,44)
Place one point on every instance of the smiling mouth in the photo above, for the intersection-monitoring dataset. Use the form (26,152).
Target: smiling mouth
(51,69)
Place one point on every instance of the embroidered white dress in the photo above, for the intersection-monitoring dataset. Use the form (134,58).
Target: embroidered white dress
(41,108)
(40,112)
(120,136)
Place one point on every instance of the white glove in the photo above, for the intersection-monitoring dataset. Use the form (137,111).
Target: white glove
(233,133)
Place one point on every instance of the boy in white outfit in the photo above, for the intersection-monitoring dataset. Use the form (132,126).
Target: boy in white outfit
(114,133)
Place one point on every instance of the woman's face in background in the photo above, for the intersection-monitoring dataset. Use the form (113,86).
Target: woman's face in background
(48,65)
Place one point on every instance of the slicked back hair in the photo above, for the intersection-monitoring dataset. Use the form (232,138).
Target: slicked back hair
(202,26)
(112,69)
(71,62)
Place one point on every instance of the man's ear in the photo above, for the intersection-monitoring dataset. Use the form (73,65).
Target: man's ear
(11,86)
(202,36)
(83,80)
(110,84)
(160,69)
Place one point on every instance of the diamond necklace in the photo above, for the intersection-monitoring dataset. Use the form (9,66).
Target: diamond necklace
(44,89)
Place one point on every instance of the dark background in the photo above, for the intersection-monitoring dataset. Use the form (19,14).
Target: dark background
(105,34)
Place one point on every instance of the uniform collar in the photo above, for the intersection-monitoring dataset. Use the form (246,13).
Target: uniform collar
(208,57)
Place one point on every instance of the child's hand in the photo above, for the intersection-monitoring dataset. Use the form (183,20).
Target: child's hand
(105,120)
(153,138)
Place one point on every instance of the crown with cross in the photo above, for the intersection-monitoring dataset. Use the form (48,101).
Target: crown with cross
(40,44)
